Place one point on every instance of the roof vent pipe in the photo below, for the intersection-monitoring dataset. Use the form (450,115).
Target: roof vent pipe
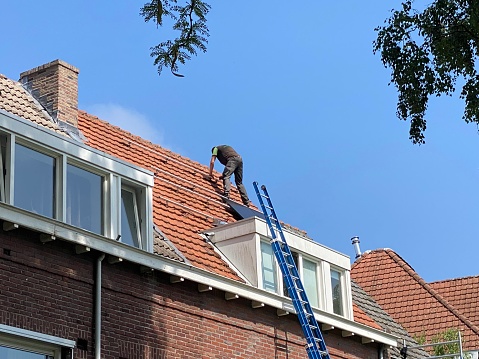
(355,241)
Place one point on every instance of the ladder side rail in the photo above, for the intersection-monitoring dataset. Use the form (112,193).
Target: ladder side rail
(265,211)
(294,285)
(306,326)
(302,300)
(286,249)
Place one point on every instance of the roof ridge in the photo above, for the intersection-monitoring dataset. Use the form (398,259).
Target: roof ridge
(454,279)
(359,259)
(404,265)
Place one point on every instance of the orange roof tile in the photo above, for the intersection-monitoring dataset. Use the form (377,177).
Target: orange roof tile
(17,101)
(185,203)
(361,317)
(462,294)
(413,303)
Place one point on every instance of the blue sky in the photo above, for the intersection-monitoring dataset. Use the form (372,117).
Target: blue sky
(300,95)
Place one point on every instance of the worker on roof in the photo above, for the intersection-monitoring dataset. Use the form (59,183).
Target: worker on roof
(233,164)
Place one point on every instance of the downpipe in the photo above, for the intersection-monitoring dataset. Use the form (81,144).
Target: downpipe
(98,307)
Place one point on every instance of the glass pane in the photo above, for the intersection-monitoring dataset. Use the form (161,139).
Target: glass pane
(34,181)
(3,151)
(285,284)
(310,282)
(3,158)
(129,218)
(268,268)
(84,199)
(10,353)
(337,293)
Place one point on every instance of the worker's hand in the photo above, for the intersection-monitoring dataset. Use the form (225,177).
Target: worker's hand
(210,178)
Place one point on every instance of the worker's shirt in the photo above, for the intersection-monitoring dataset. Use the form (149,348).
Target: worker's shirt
(223,153)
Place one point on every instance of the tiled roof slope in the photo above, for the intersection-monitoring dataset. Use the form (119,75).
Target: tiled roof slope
(17,101)
(462,294)
(361,317)
(163,247)
(184,202)
(413,303)
(373,310)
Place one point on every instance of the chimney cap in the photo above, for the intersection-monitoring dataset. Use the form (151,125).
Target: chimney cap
(50,64)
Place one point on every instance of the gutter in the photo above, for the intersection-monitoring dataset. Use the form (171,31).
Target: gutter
(85,239)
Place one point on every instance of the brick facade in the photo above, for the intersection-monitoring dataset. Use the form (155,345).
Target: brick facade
(49,289)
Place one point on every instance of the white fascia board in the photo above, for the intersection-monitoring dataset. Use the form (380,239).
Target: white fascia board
(105,245)
(299,243)
(45,338)
(56,142)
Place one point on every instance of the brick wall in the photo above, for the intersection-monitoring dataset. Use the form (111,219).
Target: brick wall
(49,289)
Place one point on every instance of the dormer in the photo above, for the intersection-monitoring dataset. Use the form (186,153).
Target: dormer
(325,273)
(72,188)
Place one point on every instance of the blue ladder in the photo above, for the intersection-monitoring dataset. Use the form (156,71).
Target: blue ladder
(316,348)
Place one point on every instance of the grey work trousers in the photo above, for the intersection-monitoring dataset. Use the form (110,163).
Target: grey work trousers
(235,165)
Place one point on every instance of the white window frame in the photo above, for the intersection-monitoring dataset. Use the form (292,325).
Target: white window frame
(341,289)
(104,189)
(42,150)
(323,281)
(2,177)
(137,214)
(318,283)
(276,270)
(26,340)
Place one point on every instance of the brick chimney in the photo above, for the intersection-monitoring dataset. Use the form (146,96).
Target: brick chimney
(55,86)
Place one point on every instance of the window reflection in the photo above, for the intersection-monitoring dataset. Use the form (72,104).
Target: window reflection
(130,231)
(3,158)
(337,292)
(84,199)
(34,181)
(268,268)
(10,353)
(310,280)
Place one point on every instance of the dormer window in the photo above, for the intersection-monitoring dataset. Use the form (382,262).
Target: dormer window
(269,271)
(63,180)
(34,184)
(337,292)
(310,281)
(84,199)
(246,244)
(130,224)
(307,269)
